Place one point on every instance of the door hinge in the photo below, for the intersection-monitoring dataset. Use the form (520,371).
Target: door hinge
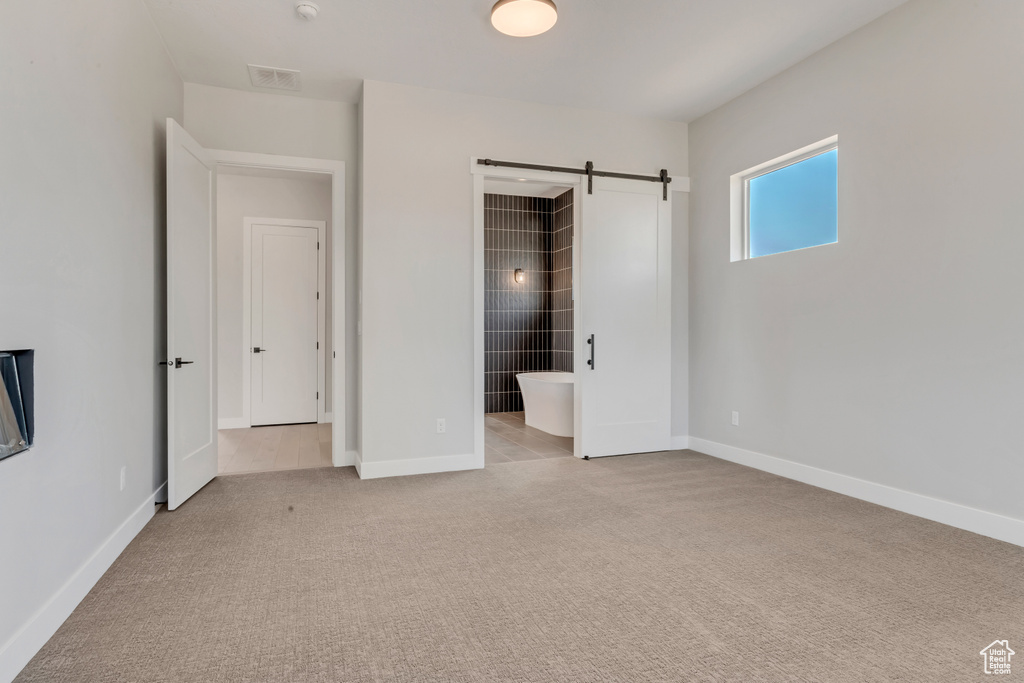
(318,246)
(318,395)
(318,346)
(318,296)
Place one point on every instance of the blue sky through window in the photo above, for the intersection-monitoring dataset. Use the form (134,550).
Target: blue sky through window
(796,206)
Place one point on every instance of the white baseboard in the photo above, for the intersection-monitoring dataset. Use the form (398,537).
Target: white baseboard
(16,652)
(401,468)
(233,423)
(680,443)
(953,514)
(328,418)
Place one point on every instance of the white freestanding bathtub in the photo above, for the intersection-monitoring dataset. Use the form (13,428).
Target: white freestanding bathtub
(547,400)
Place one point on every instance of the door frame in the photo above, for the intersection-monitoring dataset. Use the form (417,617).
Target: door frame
(321,311)
(336,169)
(480,174)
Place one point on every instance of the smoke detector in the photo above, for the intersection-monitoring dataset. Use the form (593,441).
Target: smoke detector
(307,10)
(273,77)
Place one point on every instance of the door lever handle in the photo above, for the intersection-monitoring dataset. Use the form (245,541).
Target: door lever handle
(179,362)
(591,361)
(257,349)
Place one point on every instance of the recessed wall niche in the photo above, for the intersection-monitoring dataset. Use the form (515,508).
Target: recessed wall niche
(17,415)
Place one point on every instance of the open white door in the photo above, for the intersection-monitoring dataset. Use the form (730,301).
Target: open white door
(623,367)
(191,317)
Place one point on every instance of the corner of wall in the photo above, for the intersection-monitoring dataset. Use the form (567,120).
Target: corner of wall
(16,653)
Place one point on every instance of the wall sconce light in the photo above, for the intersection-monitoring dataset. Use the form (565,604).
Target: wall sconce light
(520,275)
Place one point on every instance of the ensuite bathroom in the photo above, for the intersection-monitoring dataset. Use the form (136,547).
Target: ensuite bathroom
(528,321)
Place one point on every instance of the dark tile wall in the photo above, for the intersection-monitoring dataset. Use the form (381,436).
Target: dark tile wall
(561,283)
(518,318)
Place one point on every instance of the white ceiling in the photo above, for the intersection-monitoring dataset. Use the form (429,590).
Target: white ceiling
(670,59)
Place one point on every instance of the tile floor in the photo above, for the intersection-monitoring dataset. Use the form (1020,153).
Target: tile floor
(281,447)
(508,439)
(290,447)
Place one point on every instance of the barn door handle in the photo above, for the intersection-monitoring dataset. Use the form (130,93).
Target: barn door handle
(179,362)
(591,361)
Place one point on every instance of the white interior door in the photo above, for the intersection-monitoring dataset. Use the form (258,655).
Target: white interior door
(191,317)
(625,318)
(284,320)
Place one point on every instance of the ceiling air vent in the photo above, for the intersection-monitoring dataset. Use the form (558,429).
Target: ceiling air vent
(271,77)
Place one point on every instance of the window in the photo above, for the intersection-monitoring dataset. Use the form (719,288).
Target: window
(788,203)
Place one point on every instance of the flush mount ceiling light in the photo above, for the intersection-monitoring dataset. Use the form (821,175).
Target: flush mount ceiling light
(307,10)
(524,18)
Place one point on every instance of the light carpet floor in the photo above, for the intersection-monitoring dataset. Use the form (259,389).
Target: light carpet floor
(662,567)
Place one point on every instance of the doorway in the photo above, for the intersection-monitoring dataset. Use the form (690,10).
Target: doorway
(197,451)
(620,378)
(274,319)
(528,320)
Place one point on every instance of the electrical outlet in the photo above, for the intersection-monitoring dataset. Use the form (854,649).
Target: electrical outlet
(123,472)
(735,418)
(440,425)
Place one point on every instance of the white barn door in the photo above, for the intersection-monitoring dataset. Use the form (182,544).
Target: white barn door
(191,317)
(625,242)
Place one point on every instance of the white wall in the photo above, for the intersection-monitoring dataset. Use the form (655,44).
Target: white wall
(244,121)
(220,118)
(81,282)
(680,315)
(897,355)
(240,197)
(417,242)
